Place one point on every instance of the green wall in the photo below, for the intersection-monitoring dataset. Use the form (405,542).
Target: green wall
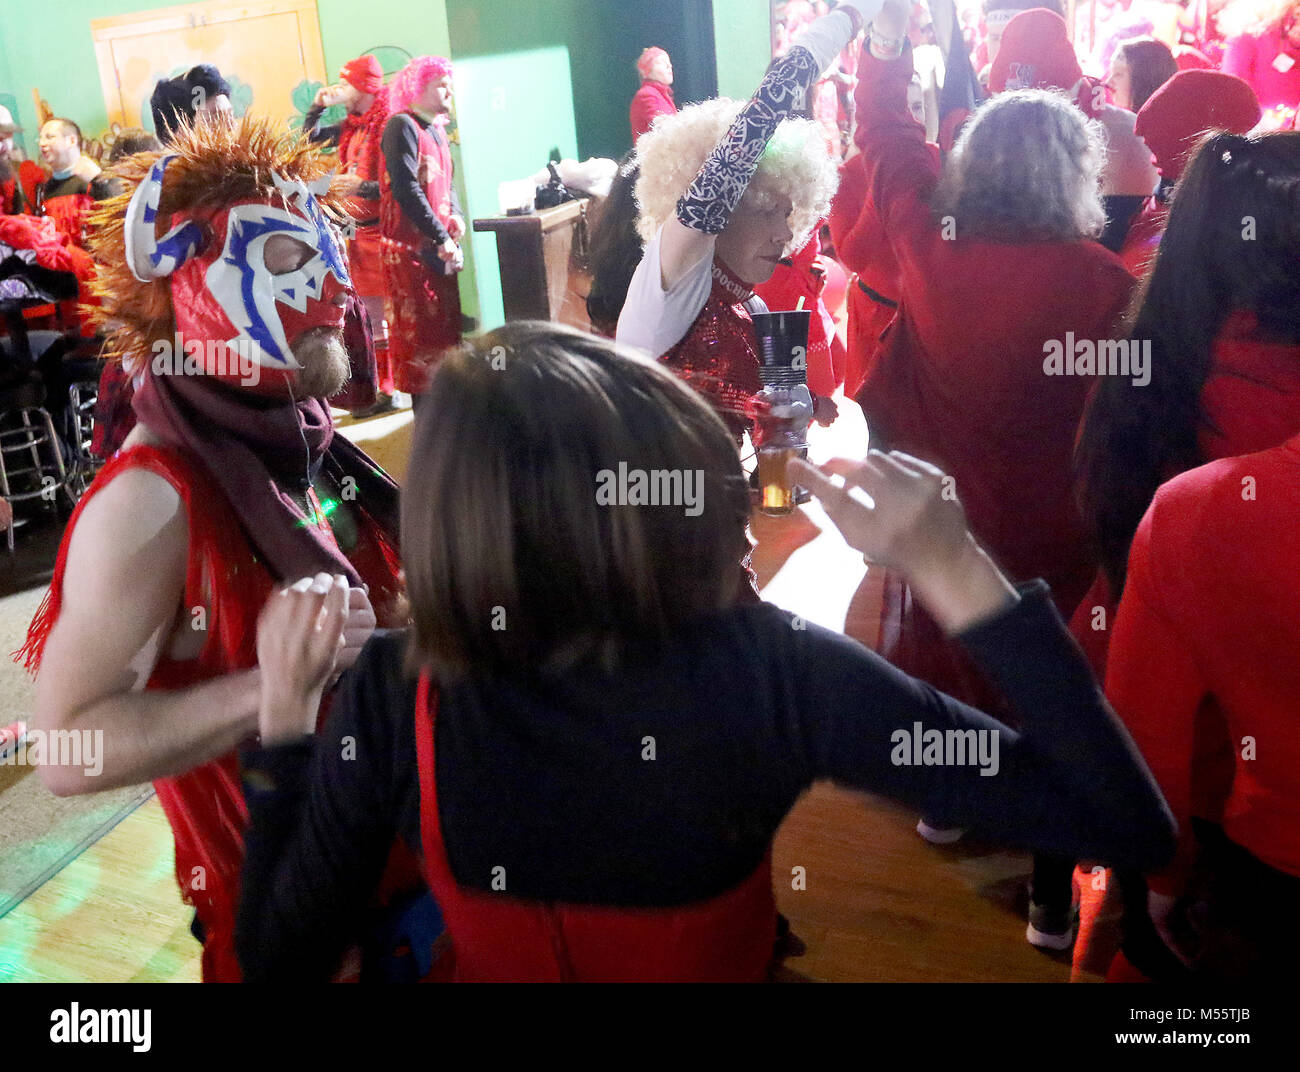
(743,32)
(514,105)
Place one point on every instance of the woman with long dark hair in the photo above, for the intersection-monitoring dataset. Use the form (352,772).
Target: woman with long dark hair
(1220,314)
(587,740)
(1140,66)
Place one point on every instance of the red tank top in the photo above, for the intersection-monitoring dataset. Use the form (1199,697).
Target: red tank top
(226,582)
(497,938)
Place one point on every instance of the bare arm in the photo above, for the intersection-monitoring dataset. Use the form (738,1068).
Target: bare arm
(123,583)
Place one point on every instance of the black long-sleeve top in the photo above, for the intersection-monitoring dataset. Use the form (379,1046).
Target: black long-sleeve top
(401,149)
(746,708)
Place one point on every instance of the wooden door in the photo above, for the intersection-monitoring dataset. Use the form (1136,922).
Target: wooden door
(268,50)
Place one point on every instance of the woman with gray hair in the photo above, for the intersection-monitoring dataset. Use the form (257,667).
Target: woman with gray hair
(1001,284)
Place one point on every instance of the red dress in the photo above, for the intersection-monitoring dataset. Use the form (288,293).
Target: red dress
(960,379)
(205,806)
(360,155)
(498,938)
(423,305)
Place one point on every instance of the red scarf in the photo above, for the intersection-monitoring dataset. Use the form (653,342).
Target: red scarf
(371,123)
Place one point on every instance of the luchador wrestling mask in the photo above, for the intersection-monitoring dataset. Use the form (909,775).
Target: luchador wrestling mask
(225,296)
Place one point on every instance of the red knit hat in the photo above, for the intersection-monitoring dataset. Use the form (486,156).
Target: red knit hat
(1186,106)
(364,74)
(1035,54)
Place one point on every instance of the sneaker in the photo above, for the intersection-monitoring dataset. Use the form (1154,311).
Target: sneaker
(939,835)
(1051,927)
(11,738)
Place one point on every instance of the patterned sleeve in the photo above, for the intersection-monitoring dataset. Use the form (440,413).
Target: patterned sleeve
(711,199)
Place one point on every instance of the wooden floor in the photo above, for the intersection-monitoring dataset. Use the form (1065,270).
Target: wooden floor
(112,915)
(879,904)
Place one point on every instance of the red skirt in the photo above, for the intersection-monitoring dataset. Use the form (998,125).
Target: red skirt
(423,313)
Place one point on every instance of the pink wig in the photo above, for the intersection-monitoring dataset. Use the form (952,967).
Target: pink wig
(412,79)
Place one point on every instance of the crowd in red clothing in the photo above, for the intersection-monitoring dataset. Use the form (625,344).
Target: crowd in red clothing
(956,374)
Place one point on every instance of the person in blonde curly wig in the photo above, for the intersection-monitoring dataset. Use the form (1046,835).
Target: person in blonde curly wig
(794,166)
(726,190)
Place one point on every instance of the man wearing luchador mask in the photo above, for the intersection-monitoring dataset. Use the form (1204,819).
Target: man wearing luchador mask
(232,483)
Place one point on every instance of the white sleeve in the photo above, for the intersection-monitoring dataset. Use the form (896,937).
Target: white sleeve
(655,320)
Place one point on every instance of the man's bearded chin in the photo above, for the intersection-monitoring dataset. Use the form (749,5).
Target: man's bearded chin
(325,366)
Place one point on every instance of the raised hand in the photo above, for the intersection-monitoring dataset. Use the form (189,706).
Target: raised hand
(911,521)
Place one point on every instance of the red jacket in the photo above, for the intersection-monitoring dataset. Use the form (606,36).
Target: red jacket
(1250,402)
(1209,615)
(960,380)
(651,100)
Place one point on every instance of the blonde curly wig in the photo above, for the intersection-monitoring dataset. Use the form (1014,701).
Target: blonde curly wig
(795,164)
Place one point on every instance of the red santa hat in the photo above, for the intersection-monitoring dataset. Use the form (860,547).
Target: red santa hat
(1190,103)
(647,60)
(1035,54)
(363,74)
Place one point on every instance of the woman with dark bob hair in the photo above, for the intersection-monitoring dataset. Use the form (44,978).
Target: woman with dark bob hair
(584,736)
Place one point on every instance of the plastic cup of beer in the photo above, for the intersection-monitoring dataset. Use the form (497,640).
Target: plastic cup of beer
(776,490)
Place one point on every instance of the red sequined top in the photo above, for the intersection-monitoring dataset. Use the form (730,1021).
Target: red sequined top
(718,355)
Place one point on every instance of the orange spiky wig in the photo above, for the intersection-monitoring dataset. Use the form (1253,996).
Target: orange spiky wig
(209,167)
